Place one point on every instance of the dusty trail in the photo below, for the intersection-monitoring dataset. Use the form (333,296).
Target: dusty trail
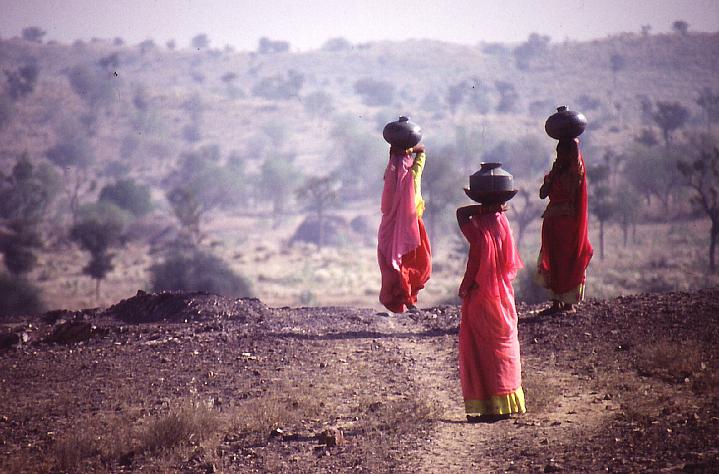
(568,408)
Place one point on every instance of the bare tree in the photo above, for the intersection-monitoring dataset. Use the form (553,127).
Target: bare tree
(708,100)
(319,194)
(670,116)
(526,209)
(702,176)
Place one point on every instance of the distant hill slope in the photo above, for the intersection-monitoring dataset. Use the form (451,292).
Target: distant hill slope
(667,67)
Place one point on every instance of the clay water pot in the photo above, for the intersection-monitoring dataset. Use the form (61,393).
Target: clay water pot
(402,133)
(491,184)
(565,124)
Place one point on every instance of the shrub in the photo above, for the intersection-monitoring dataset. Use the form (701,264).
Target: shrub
(198,271)
(267,46)
(279,87)
(18,297)
(337,44)
(374,92)
(33,33)
(126,194)
(22,81)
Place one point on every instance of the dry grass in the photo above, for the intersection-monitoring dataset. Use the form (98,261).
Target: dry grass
(669,360)
(189,422)
(395,416)
(254,419)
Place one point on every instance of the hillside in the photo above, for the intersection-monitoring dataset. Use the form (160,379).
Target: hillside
(242,131)
(202,383)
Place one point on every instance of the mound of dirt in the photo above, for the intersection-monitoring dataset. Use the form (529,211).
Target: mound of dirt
(185,307)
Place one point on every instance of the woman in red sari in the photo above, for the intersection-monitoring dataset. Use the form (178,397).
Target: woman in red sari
(489,362)
(566,250)
(403,250)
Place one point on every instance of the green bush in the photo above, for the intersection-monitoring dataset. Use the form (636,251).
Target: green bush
(198,271)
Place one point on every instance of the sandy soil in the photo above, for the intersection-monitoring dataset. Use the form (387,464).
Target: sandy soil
(202,383)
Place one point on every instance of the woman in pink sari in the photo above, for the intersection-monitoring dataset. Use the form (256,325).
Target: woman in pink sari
(489,363)
(403,250)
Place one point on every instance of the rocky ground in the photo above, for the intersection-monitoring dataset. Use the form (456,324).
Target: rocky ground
(202,383)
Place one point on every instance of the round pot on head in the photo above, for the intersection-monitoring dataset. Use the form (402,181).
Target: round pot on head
(402,133)
(565,124)
(491,184)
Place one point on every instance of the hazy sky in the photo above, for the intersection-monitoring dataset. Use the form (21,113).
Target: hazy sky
(308,24)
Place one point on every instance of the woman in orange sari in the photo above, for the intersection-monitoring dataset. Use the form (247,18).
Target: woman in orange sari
(403,250)
(489,361)
(566,250)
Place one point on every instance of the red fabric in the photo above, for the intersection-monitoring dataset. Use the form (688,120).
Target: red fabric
(489,360)
(401,286)
(566,250)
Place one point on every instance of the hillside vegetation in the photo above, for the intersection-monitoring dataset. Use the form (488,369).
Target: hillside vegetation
(124,163)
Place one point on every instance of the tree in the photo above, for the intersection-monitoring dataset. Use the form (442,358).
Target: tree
(651,172)
(279,87)
(109,63)
(230,78)
(128,195)
(455,95)
(670,116)
(601,202)
(375,92)
(146,45)
(7,110)
(525,156)
(709,102)
(195,270)
(277,181)
(617,63)
(267,46)
(680,27)
(526,209)
(92,85)
(357,156)
(33,33)
(535,45)
(477,95)
(336,44)
(18,297)
(27,192)
(21,82)
(188,211)
(318,104)
(18,245)
(99,230)
(74,156)
(200,41)
(439,188)
(508,96)
(319,194)
(702,176)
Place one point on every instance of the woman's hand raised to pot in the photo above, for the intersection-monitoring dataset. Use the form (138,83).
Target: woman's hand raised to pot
(418,148)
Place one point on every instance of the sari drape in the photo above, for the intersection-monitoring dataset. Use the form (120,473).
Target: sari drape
(403,250)
(489,358)
(566,251)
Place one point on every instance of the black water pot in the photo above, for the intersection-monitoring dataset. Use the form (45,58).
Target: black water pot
(491,184)
(565,124)
(402,133)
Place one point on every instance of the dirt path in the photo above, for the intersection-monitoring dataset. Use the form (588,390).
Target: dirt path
(566,407)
